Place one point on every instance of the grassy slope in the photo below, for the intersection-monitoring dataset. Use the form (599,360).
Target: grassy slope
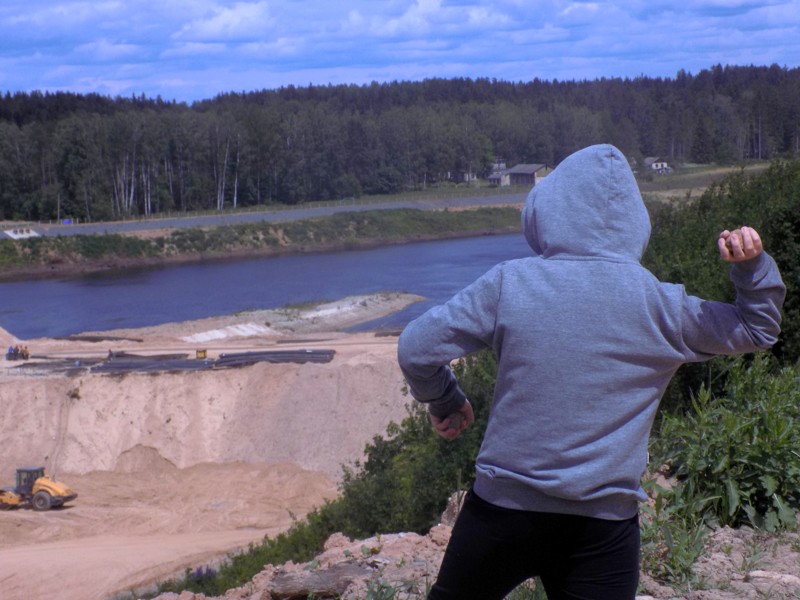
(42,257)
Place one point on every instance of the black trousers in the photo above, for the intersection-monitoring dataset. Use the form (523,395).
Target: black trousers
(493,549)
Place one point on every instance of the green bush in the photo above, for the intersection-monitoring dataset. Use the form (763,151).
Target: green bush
(683,249)
(9,256)
(408,476)
(737,454)
(101,246)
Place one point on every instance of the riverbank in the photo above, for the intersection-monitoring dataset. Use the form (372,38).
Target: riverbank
(71,256)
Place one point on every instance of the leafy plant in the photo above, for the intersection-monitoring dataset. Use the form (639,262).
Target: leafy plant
(672,535)
(738,452)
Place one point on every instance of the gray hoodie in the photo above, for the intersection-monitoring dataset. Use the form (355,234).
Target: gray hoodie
(586,340)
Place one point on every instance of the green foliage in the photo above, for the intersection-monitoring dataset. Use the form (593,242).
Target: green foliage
(64,155)
(9,256)
(400,225)
(778,194)
(683,249)
(407,477)
(530,590)
(101,246)
(300,543)
(683,243)
(737,454)
(83,249)
(672,534)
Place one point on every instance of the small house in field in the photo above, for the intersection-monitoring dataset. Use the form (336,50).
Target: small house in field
(521,174)
(657,164)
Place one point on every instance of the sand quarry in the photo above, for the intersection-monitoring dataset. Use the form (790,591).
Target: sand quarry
(175,469)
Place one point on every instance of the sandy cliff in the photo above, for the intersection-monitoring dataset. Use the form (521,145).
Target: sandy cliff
(314,415)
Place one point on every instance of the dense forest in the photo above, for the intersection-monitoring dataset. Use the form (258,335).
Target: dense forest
(95,158)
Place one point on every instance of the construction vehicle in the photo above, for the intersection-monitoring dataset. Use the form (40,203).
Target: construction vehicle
(40,491)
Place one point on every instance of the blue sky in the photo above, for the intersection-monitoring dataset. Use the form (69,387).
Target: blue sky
(189,50)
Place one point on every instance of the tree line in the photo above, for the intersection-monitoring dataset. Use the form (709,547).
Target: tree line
(96,158)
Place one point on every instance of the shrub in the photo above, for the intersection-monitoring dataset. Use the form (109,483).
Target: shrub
(737,454)
(407,476)
(8,253)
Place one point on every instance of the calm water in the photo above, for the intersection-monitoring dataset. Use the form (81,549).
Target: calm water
(435,270)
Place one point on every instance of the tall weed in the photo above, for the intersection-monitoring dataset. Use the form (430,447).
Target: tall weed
(673,535)
(738,452)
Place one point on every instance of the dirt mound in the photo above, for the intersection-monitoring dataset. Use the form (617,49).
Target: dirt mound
(143,459)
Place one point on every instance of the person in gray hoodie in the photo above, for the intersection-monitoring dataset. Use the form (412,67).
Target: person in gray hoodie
(586,341)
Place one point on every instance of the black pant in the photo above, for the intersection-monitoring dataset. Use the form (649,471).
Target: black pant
(492,550)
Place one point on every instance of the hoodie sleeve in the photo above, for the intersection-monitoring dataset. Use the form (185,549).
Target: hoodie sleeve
(463,325)
(751,323)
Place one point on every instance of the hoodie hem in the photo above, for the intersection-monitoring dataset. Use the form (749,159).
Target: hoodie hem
(513,494)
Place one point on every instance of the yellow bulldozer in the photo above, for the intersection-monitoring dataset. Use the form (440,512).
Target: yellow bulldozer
(36,489)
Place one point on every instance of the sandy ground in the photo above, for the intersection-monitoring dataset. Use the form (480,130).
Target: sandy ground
(175,469)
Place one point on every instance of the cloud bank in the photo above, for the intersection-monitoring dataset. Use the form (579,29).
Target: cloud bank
(186,51)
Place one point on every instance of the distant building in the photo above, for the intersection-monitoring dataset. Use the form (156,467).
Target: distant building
(657,164)
(521,174)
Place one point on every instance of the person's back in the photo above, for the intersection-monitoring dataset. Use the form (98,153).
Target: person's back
(585,350)
(586,339)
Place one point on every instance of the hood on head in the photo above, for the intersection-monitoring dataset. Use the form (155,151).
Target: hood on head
(589,205)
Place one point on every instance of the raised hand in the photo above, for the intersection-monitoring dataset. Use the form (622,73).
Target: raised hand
(739,245)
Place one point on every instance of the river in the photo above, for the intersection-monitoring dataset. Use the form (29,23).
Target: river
(153,296)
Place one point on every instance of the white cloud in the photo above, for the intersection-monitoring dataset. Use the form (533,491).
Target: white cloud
(415,21)
(485,16)
(59,16)
(580,8)
(194,49)
(103,50)
(198,48)
(282,46)
(541,35)
(354,20)
(244,20)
